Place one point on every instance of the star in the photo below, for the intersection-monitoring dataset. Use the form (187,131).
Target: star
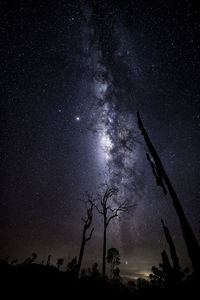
(78,118)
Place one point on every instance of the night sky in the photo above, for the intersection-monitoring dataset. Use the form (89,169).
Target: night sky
(73,75)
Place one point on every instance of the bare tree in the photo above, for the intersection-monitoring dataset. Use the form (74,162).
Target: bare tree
(109,212)
(89,203)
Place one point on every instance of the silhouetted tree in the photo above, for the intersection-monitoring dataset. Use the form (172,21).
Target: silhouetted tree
(94,272)
(89,203)
(34,256)
(30,260)
(176,267)
(113,258)
(116,274)
(166,267)
(49,260)
(157,277)
(72,267)
(14,261)
(59,263)
(165,276)
(164,181)
(109,212)
(27,260)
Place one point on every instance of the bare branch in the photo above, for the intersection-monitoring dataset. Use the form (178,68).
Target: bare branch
(111,209)
(111,217)
(90,236)
(97,208)
(123,207)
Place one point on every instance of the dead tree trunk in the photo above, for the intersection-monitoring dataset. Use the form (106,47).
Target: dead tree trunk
(174,256)
(104,250)
(166,266)
(164,181)
(87,224)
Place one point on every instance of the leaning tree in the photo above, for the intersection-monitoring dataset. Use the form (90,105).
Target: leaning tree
(163,181)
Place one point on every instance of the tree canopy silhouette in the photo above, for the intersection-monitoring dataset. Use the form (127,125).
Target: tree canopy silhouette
(113,258)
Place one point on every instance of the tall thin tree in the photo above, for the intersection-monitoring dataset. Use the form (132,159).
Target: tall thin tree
(109,211)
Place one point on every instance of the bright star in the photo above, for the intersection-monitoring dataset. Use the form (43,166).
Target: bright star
(77,118)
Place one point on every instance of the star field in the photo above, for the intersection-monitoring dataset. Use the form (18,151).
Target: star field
(73,76)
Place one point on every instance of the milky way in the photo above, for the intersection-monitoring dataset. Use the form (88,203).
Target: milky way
(115,125)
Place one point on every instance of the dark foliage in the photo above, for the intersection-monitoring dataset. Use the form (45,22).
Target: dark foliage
(47,280)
